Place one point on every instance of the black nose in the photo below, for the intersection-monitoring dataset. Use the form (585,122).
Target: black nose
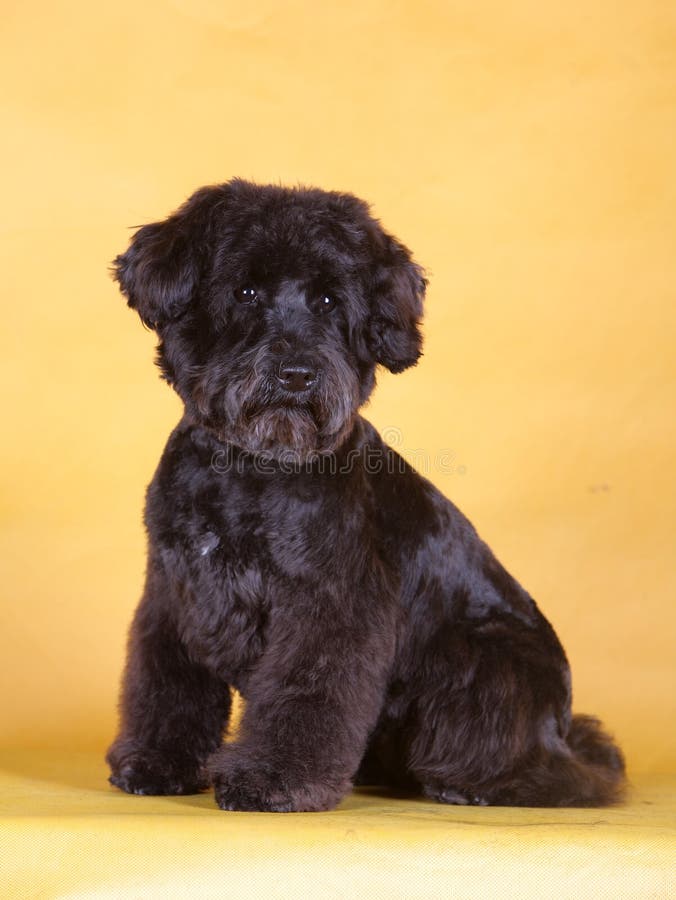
(296,377)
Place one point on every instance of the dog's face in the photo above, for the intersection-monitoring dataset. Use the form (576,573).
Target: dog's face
(273,307)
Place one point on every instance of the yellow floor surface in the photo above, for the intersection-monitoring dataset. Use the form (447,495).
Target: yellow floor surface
(64,832)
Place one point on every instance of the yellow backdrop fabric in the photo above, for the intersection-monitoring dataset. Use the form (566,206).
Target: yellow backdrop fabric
(72,837)
(524,150)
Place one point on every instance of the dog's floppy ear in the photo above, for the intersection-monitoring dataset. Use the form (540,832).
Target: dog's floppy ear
(398,290)
(160,271)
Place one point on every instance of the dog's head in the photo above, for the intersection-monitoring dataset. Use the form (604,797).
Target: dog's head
(273,307)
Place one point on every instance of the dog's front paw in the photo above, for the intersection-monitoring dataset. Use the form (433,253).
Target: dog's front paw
(147,771)
(255,786)
(246,790)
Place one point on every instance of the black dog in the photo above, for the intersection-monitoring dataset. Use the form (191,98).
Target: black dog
(297,558)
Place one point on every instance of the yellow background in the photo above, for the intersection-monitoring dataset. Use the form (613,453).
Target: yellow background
(524,150)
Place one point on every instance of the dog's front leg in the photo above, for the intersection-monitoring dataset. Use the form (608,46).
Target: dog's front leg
(173,710)
(311,705)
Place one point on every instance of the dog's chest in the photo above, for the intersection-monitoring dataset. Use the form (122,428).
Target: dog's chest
(223,612)
(220,603)
(230,551)
(209,540)
(244,548)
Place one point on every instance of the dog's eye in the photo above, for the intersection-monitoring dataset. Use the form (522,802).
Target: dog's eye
(246,295)
(325,304)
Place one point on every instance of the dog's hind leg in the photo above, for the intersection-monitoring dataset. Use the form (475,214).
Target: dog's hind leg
(173,710)
(496,728)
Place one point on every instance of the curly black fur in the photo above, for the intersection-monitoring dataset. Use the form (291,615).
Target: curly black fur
(297,558)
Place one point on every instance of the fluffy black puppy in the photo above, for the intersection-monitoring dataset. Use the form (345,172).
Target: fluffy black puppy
(297,558)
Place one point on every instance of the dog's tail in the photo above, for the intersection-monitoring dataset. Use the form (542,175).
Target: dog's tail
(588,771)
(596,770)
